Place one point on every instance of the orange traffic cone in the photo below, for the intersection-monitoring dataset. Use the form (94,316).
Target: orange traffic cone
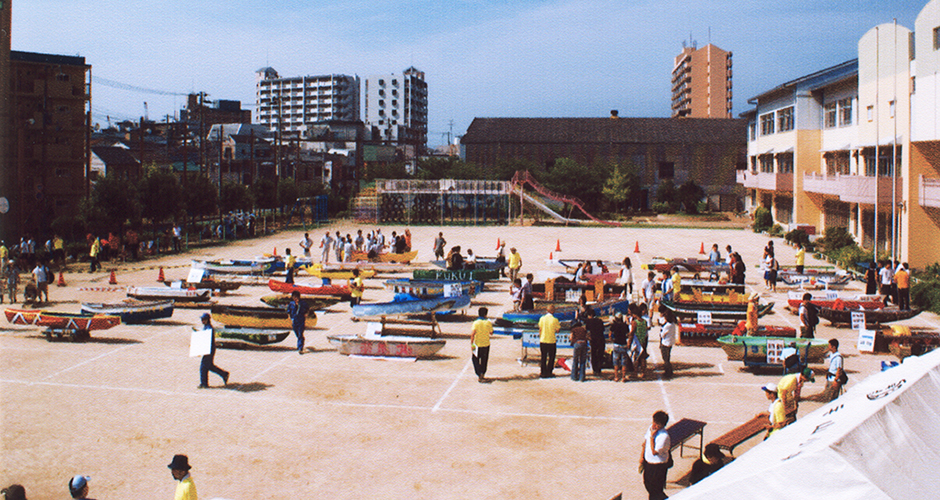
(160,277)
(113,279)
(558,245)
(550,256)
(61,279)
(636,249)
(275,252)
(702,250)
(497,244)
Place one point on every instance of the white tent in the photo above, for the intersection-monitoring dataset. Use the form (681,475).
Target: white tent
(880,440)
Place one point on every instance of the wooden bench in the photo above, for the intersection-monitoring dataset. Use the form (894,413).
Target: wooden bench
(743,432)
(684,430)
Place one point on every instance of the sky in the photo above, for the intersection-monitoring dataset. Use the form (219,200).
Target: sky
(481,58)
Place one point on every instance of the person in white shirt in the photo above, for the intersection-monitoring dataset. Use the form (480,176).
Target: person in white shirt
(649,288)
(887,279)
(325,244)
(835,376)
(654,461)
(626,278)
(668,335)
(306,243)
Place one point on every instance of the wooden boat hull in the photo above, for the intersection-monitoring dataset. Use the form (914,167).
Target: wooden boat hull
(688,265)
(483,263)
(280,301)
(872,316)
(76,321)
(164,293)
(832,304)
(386,257)
(734,346)
(708,335)
(305,289)
(566,313)
(387,345)
(482,275)
(724,312)
(132,312)
(714,287)
(426,289)
(235,267)
(318,271)
(834,283)
(22,316)
(208,283)
(692,299)
(419,306)
(258,336)
(257,317)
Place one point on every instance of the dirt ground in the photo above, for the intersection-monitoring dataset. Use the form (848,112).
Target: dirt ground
(323,425)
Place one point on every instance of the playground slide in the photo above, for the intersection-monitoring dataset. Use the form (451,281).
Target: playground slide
(545,208)
(522,177)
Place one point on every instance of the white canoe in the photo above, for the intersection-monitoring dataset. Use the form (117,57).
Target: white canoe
(165,292)
(386,345)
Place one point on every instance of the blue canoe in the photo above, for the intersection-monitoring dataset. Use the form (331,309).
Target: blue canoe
(417,306)
(132,312)
(567,312)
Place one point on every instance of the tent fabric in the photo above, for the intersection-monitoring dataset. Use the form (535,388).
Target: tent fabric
(880,440)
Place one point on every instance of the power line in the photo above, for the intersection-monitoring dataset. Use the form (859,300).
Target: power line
(133,88)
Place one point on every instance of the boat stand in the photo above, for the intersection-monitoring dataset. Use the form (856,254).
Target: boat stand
(435,328)
(62,333)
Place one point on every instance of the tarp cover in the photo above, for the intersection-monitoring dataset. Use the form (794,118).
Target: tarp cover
(880,440)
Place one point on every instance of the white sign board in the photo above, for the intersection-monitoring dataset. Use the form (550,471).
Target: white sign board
(775,351)
(866,340)
(373,329)
(572,295)
(200,343)
(704,318)
(832,295)
(452,290)
(195,275)
(858,320)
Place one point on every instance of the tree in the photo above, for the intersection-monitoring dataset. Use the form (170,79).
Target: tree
(112,202)
(622,186)
(688,195)
(569,178)
(201,196)
(376,170)
(286,192)
(235,197)
(666,193)
(264,192)
(160,195)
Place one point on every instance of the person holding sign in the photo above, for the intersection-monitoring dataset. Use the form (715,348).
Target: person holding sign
(208,360)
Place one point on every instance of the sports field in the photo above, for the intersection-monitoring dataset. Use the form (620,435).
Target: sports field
(323,425)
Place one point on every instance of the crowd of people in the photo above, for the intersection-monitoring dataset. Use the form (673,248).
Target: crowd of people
(372,244)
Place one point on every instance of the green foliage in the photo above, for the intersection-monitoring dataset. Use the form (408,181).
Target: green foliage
(375,171)
(776,230)
(235,196)
(799,236)
(286,192)
(506,168)
(112,202)
(264,193)
(925,291)
(69,227)
(661,207)
(688,195)
(160,195)
(834,239)
(622,186)
(702,206)
(569,178)
(667,193)
(762,220)
(201,196)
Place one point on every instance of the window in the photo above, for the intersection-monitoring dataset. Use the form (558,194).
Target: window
(785,163)
(891,109)
(785,119)
(845,111)
(62,77)
(767,164)
(752,131)
(871,112)
(667,170)
(829,115)
(838,163)
(754,164)
(936,38)
(767,124)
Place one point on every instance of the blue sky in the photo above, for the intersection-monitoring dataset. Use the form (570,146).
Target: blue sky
(482,58)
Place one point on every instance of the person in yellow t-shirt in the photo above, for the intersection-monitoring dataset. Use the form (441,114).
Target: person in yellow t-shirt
(751,324)
(514,264)
(4,256)
(903,279)
(800,258)
(778,415)
(289,263)
(548,327)
(356,287)
(186,488)
(481,331)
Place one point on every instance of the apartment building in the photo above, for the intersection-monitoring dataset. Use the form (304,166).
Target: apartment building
(292,105)
(397,105)
(48,155)
(857,145)
(701,83)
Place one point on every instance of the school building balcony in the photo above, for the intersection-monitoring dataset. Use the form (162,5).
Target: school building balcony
(852,188)
(766,181)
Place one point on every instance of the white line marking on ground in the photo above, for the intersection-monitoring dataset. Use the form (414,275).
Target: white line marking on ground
(662,389)
(437,405)
(60,372)
(721,368)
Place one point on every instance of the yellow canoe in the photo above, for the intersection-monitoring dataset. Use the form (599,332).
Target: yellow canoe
(338,274)
(387,257)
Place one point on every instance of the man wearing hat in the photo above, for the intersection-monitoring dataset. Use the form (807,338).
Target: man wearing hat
(789,388)
(78,486)
(208,360)
(185,489)
(778,415)
(712,460)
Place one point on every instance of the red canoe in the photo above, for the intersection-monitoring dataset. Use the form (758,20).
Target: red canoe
(77,321)
(304,289)
(22,316)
